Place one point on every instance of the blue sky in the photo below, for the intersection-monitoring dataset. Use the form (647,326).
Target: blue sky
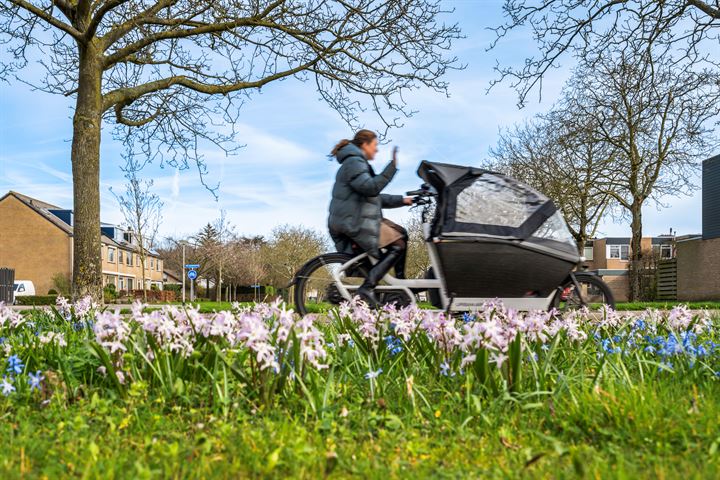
(282,175)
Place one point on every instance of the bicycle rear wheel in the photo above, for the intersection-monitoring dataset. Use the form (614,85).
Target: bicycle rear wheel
(315,287)
(593,291)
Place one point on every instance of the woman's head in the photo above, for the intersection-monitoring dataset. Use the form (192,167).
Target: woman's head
(365,140)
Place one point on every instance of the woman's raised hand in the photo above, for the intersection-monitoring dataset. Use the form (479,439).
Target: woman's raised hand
(394,156)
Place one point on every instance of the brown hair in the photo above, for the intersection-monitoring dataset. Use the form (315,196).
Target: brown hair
(361,138)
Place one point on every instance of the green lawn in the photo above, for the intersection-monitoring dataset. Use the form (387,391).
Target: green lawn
(650,431)
(710,305)
(393,394)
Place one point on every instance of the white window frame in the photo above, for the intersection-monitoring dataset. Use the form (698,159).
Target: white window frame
(588,253)
(618,252)
(111,255)
(665,247)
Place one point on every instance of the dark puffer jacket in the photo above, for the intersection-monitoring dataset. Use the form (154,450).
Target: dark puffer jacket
(357,201)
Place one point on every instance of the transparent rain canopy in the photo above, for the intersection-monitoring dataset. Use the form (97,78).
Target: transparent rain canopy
(497,200)
(556,229)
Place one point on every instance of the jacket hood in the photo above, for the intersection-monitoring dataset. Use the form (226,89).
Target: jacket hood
(349,150)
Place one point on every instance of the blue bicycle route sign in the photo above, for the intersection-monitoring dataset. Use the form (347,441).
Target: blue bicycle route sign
(192,274)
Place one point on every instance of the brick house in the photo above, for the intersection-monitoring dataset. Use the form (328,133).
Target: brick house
(698,257)
(609,257)
(36,239)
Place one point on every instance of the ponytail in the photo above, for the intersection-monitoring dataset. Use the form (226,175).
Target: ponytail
(361,138)
(339,145)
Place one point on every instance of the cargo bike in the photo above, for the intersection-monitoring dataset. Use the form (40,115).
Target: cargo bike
(488,236)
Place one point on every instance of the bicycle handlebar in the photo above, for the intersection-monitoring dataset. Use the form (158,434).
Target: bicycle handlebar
(423,191)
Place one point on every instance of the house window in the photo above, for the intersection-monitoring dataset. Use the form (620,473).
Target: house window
(111,255)
(130,283)
(666,251)
(152,262)
(621,252)
(122,283)
(159,268)
(128,258)
(120,256)
(588,253)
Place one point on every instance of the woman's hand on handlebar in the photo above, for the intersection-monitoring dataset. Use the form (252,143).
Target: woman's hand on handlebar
(408,200)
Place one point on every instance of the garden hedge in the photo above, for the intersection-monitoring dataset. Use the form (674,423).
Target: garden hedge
(36,300)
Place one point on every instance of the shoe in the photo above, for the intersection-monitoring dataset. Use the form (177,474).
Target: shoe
(367,290)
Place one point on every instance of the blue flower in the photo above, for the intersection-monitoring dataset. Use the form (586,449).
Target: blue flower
(34,380)
(371,375)
(468,317)
(445,370)
(15,365)
(393,344)
(6,387)
(639,324)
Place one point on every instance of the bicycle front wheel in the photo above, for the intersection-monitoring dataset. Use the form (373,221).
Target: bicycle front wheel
(315,285)
(592,291)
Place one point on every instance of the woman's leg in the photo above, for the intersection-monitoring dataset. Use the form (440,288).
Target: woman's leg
(402,244)
(377,272)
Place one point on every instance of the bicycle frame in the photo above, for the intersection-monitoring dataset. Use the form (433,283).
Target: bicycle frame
(448,304)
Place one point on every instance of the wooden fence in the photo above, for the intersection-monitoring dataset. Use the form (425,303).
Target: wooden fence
(667,279)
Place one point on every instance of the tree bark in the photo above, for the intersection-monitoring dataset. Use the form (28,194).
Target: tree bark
(636,253)
(85,157)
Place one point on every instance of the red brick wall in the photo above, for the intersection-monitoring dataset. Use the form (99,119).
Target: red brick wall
(698,270)
(619,286)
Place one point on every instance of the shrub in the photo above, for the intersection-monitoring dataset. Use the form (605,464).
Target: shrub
(173,287)
(52,291)
(154,295)
(36,300)
(110,293)
(61,283)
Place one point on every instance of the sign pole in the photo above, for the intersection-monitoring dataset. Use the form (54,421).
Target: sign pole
(183,274)
(192,275)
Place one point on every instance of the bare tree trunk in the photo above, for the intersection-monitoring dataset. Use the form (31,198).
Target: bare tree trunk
(142,266)
(218,285)
(85,156)
(143,259)
(636,253)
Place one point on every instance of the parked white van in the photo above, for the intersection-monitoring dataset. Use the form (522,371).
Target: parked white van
(23,288)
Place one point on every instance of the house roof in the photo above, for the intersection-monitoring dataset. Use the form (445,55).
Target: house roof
(172,274)
(660,240)
(42,208)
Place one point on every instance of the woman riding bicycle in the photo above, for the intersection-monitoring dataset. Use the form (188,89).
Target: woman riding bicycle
(356,211)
